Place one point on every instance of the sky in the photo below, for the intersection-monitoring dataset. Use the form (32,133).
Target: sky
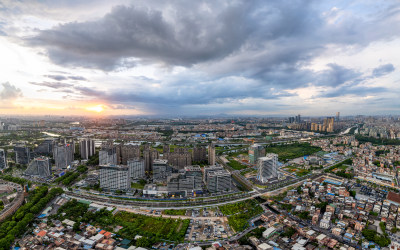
(199,58)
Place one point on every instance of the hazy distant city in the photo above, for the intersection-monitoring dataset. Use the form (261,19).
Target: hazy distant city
(191,125)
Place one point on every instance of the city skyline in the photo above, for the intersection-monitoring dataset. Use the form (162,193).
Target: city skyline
(206,58)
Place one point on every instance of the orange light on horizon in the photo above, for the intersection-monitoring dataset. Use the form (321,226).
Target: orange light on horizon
(98,108)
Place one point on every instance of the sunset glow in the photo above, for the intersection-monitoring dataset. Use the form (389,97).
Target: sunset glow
(98,108)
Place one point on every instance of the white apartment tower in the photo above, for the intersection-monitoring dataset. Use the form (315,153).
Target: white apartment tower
(267,167)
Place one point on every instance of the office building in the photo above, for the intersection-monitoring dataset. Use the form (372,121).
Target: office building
(256,151)
(126,152)
(194,172)
(161,170)
(108,155)
(298,118)
(210,169)
(211,154)
(40,166)
(188,181)
(22,154)
(63,155)
(136,168)
(44,148)
(87,148)
(115,177)
(219,181)
(337,116)
(199,154)
(267,168)
(3,159)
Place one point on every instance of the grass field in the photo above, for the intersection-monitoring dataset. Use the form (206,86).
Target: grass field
(235,164)
(291,151)
(239,213)
(169,229)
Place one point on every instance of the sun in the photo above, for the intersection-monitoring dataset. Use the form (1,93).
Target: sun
(98,108)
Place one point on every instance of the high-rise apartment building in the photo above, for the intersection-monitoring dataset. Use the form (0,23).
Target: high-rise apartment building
(267,168)
(63,155)
(149,156)
(22,154)
(180,158)
(126,152)
(199,154)
(211,154)
(40,166)
(115,177)
(3,159)
(87,148)
(136,168)
(256,151)
(108,155)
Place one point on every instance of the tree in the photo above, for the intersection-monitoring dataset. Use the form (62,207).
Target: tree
(143,242)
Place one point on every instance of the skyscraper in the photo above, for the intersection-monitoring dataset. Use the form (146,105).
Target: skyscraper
(22,154)
(108,155)
(126,152)
(267,167)
(87,148)
(44,148)
(211,154)
(136,168)
(337,116)
(3,159)
(256,151)
(149,156)
(63,155)
(199,154)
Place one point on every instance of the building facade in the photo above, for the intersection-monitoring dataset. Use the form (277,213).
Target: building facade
(115,177)
(267,168)
(63,155)
(40,166)
(108,155)
(219,181)
(211,154)
(87,148)
(256,151)
(3,159)
(136,168)
(22,154)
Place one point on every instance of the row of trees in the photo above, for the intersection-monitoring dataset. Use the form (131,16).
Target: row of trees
(16,225)
(20,181)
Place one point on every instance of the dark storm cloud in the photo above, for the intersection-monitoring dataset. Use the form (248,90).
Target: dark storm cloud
(128,32)
(235,49)
(383,70)
(189,93)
